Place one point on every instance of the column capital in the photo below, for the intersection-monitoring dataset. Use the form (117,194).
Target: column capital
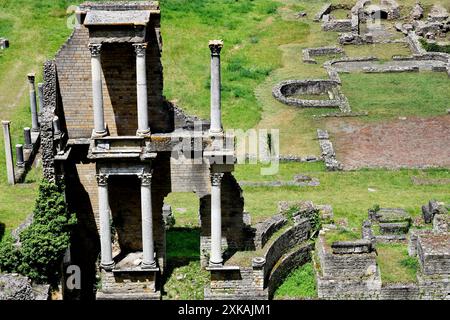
(215,46)
(146,178)
(31,77)
(102,179)
(216,179)
(140,49)
(6,123)
(95,49)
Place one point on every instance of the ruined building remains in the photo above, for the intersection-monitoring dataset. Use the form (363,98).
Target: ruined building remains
(109,133)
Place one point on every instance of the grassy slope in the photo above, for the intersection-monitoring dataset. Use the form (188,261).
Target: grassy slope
(35,29)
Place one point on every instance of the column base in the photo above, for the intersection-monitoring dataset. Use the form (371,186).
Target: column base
(216,132)
(215,264)
(143,133)
(96,134)
(147,266)
(107,266)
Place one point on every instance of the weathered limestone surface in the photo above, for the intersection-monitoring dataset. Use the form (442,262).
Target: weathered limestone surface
(17,287)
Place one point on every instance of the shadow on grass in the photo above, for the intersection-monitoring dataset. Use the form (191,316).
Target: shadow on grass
(2,231)
(183,247)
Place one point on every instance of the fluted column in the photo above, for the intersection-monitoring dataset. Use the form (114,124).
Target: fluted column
(107,262)
(148,247)
(216,113)
(97,89)
(216,220)
(141,84)
(33,105)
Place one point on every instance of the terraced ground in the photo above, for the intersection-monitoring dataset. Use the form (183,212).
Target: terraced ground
(263,43)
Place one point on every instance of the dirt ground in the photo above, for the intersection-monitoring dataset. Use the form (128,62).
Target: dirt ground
(400,143)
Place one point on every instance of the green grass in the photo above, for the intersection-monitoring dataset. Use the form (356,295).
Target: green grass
(341,235)
(183,243)
(347,192)
(186,283)
(393,95)
(395,264)
(300,284)
(382,51)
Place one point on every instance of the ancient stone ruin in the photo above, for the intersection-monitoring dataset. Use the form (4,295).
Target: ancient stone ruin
(113,147)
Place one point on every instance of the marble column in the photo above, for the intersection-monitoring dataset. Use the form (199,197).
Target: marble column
(8,152)
(97,89)
(141,84)
(106,262)
(216,114)
(33,105)
(216,220)
(148,246)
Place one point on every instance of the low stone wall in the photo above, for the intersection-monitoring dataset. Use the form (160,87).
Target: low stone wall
(345,265)
(341,25)
(408,291)
(309,53)
(284,90)
(289,239)
(433,251)
(414,44)
(328,154)
(326,9)
(265,229)
(237,284)
(128,286)
(287,264)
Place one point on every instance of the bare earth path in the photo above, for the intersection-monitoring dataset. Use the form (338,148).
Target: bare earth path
(412,143)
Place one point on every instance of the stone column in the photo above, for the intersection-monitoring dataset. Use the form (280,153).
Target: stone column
(216,220)
(216,114)
(97,89)
(41,96)
(20,159)
(8,152)
(148,247)
(141,80)
(33,105)
(27,138)
(107,262)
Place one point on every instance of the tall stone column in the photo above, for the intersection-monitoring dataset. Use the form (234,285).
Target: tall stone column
(106,262)
(141,80)
(8,152)
(148,246)
(97,89)
(33,105)
(216,114)
(216,220)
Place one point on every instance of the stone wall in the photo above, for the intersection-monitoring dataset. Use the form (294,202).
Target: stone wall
(309,53)
(127,286)
(237,284)
(288,240)
(265,229)
(284,91)
(288,263)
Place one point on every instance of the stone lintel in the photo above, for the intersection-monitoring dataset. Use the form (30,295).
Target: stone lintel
(98,18)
